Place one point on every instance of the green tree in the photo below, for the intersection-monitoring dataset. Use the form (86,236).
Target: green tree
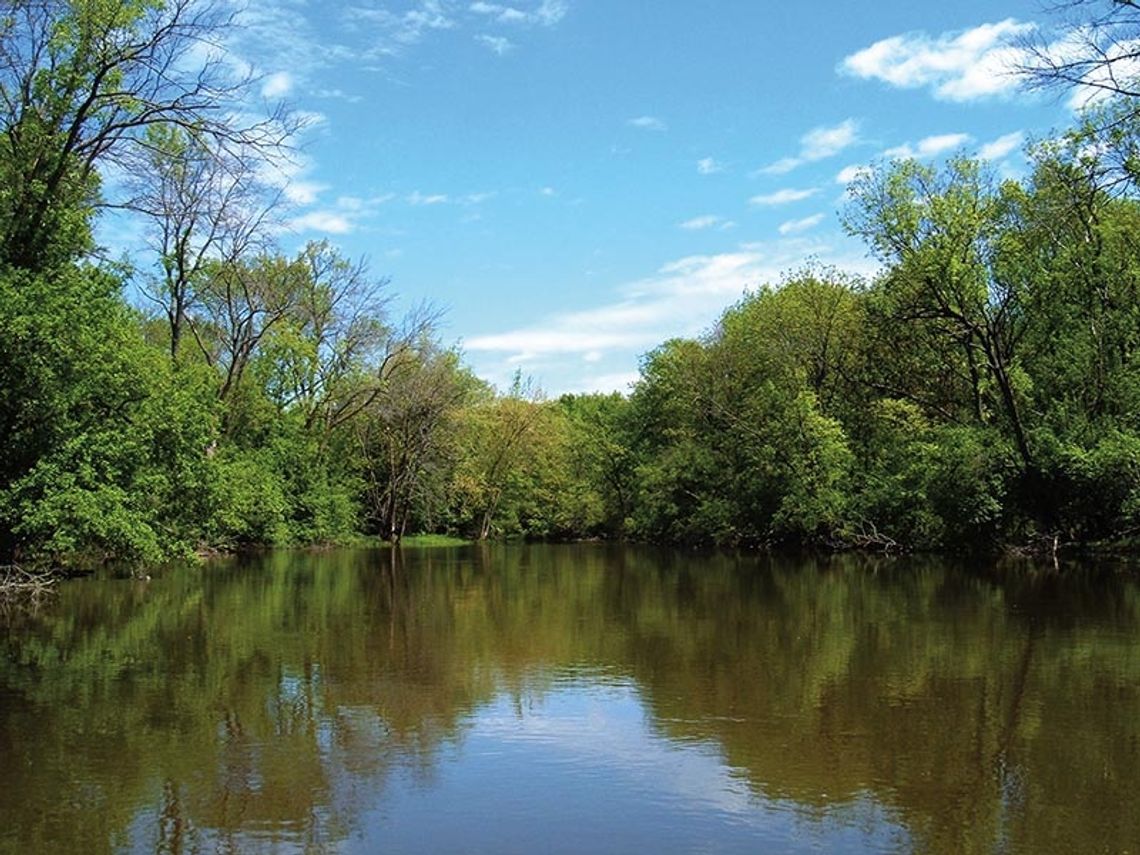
(945,236)
(81,81)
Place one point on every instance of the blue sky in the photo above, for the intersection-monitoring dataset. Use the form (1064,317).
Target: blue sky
(575,181)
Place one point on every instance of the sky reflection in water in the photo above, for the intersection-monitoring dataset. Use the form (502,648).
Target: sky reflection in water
(570,699)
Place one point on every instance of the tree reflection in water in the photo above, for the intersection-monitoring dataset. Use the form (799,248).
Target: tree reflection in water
(323,701)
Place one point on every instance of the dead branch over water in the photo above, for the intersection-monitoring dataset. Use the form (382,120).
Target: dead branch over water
(18,580)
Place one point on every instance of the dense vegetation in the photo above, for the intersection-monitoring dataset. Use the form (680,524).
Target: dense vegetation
(218,391)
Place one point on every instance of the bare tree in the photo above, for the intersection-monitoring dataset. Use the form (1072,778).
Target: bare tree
(202,204)
(80,82)
(347,351)
(1096,47)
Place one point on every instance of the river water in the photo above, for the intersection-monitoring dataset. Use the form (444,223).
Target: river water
(574,699)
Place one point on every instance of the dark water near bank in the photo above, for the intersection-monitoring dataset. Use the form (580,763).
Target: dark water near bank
(574,699)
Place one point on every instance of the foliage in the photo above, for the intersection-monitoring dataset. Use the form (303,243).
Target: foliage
(983,389)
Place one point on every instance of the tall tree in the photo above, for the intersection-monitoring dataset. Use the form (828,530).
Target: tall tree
(202,203)
(80,82)
(944,235)
(406,436)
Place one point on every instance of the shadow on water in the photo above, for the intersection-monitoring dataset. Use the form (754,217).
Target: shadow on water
(299,701)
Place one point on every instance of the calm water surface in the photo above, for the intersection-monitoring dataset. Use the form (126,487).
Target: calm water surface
(574,699)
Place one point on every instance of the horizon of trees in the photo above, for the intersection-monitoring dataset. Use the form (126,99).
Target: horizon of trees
(982,391)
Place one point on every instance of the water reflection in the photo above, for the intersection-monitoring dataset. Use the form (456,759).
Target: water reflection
(574,699)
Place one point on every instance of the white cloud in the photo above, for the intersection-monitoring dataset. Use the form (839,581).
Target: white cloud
(396,31)
(928,147)
(356,205)
(781,167)
(708,221)
(277,85)
(547,191)
(1114,65)
(683,297)
(427,199)
(342,217)
(647,123)
(820,143)
(698,223)
(1002,146)
(795,227)
(849,173)
(959,66)
(649,310)
(547,13)
(709,166)
(782,197)
(417,198)
(330,222)
(496,44)
(274,35)
(619,381)
(303,192)
(817,144)
(290,176)
(389,33)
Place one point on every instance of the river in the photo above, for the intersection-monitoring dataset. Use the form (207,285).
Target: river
(574,699)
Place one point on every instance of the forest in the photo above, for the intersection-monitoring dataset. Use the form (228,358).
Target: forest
(218,390)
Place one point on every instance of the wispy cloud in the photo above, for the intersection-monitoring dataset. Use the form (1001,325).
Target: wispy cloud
(708,221)
(496,44)
(277,85)
(279,36)
(329,222)
(709,166)
(390,33)
(647,123)
(419,199)
(795,227)
(782,197)
(817,144)
(682,298)
(342,217)
(401,29)
(1002,146)
(1111,66)
(931,146)
(547,13)
(292,176)
(958,66)
(643,317)
(849,173)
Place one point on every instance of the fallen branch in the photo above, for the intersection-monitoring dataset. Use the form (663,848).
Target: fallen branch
(868,538)
(15,579)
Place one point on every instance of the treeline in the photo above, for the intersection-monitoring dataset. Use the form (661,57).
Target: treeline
(981,391)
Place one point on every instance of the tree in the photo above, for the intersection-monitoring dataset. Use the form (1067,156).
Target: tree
(405,437)
(241,303)
(600,452)
(945,235)
(81,81)
(805,332)
(498,438)
(1098,51)
(203,205)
